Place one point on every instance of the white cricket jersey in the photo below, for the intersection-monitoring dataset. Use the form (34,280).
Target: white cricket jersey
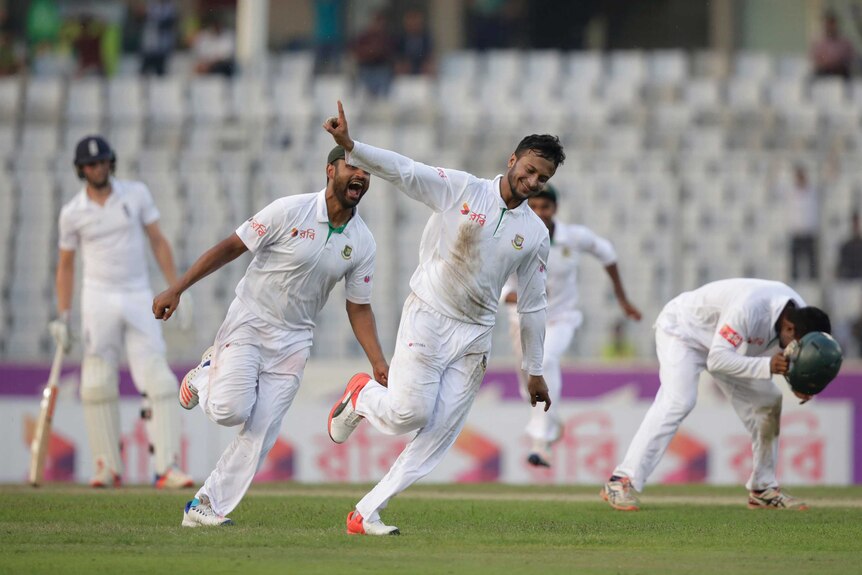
(298,259)
(471,244)
(567,245)
(111,237)
(733,321)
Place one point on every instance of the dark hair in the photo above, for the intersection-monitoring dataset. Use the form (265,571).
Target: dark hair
(544,145)
(549,193)
(808,319)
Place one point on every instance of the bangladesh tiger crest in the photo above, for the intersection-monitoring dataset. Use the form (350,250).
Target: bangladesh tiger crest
(518,242)
(346,252)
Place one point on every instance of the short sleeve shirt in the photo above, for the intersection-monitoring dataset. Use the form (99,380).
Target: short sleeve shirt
(298,259)
(111,237)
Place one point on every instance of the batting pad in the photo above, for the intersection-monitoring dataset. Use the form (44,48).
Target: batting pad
(160,413)
(100,392)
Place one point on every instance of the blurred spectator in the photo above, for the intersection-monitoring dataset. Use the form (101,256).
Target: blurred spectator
(10,52)
(414,47)
(850,255)
(804,225)
(832,54)
(490,23)
(10,56)
(213,48)
(86,37)
(158,36)
(372,50)
(328,34)
(619,347)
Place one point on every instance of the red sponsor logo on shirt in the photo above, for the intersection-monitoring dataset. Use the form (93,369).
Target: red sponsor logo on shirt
(541,268)
(441,173)
(257,226)
(756,340)
(730,335)
(367,279)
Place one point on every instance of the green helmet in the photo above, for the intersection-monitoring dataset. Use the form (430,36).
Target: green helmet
(814,362)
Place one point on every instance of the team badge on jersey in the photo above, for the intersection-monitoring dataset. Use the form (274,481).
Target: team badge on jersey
(518,242)
(465,209)
(346,252)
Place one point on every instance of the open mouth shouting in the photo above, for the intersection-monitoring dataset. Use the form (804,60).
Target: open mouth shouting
(355,188)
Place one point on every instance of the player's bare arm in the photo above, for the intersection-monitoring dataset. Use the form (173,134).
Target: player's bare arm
(227,250)
(162,251)
(65,282)
(337,126)
(630,310)
(538,391)
(365,328)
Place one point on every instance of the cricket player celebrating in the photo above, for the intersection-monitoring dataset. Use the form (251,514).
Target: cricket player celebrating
(568,241)
(729,328)
(481,232)
(109,221)
(302,245)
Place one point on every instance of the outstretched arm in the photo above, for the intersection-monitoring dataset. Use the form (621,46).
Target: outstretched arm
(438,188)
(631,311)
(365,329)
(227,250)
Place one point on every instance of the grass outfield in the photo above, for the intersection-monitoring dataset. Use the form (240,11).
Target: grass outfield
(289,528)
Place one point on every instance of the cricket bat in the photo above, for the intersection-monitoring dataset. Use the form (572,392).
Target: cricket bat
(42,436)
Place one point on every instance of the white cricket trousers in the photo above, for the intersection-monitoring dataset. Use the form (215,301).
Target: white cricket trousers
(436,371)
(545,425)
(757,403)
(252,380)
(113,319)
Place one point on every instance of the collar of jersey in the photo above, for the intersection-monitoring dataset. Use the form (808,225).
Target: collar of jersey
(323,214)
(499,187)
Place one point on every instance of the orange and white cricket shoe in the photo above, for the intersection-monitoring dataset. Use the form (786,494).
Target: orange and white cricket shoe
(105,476)
(188,394)
(620,494)
(343,418)
(356,525)
(173,478)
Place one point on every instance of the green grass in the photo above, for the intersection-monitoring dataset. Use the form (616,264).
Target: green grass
(445,529)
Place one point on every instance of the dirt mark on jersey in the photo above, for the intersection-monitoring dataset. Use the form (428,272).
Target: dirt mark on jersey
(465,267)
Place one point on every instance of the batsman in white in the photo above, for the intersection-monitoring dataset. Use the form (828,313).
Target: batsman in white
(568,242)
(302,245)
(110,221)
(480,233)
(729,328)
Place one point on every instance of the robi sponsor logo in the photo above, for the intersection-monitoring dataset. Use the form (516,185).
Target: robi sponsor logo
(473,216)
(257,226)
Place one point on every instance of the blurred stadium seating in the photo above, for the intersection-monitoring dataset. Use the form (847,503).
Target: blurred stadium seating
(674,156)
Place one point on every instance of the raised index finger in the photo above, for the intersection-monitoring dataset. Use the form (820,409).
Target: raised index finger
(340,111)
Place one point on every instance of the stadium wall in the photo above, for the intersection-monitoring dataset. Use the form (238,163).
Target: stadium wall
(601,408)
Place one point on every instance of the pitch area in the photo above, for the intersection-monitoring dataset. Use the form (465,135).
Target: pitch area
(459,529)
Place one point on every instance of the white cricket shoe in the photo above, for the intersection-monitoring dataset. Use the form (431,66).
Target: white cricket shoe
(173,478)
(188,392)
(105,476)
(199,513)
(774,498)
(620,494)
(343,418)
(356,525)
